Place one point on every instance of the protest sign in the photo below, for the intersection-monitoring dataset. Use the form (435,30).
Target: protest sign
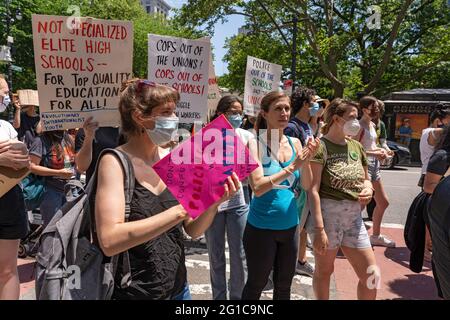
(183,65)
(196,171)
(28,97)
(80,69)
(261,77)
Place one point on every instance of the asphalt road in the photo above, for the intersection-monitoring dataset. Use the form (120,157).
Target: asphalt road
(401,187)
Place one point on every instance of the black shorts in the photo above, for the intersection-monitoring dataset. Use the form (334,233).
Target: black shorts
(13,217)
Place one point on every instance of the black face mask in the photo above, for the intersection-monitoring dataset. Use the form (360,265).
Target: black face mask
(441,126)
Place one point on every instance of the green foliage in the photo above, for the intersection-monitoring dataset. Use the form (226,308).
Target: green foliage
(353,57)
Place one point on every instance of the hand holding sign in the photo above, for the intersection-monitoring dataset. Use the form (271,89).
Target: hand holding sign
(231,187)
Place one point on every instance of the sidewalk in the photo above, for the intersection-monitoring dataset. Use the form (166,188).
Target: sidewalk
(398,282)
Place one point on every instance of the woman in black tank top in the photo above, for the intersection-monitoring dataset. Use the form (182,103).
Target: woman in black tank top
(153,235)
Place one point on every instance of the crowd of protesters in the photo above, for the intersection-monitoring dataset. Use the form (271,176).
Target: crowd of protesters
(318,168)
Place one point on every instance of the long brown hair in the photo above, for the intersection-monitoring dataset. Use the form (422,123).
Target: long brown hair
(143,96)
(266,102)
(337,107)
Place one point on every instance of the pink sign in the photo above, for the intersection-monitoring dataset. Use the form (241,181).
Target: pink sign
(196,171)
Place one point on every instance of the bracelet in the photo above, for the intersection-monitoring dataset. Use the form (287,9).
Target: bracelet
(287,170)
(270,179)
(317,229)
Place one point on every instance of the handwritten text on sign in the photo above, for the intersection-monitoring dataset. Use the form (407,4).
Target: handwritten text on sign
(197,182)
(80,70)
(261,77)
(183,65)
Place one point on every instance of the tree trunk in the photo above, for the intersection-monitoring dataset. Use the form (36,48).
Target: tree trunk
(338,90)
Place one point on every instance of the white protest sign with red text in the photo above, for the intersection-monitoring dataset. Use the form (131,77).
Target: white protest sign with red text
(261,77)
(182,64)
(80,69)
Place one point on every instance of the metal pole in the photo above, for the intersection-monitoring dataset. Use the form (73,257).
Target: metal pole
(8,30)
(294,52)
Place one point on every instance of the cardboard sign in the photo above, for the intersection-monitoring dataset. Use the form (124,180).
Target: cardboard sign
(261,77)
(28,97)
(80,68)
(196,171)
(10,177)
(183,65)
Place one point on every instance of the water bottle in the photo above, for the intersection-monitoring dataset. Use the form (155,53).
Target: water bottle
(68,165)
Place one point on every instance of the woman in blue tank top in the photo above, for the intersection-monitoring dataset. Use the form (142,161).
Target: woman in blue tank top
(270,237)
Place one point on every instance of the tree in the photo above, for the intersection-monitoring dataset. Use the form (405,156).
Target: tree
(130,10)
(338,45)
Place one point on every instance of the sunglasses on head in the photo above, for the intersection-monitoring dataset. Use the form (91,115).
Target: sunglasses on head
(139,84)
(142,83)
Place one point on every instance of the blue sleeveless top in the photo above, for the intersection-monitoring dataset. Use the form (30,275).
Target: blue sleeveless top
(276,209)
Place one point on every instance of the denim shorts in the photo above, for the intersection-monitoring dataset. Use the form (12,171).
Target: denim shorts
(343,224)
(374,169)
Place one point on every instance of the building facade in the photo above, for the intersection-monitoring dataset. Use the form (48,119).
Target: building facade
(156,7)
(415,105)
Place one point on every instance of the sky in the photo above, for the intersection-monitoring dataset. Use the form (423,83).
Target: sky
(222,32)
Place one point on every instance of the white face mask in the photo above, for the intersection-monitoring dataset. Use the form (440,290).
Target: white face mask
(165,128)
(6,101)
(351,127)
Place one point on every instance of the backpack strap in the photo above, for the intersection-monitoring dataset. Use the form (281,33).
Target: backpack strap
(129,185)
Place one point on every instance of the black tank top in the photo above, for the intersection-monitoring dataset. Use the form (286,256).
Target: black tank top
(158,269)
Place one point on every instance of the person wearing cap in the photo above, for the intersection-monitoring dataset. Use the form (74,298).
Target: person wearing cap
(26,122)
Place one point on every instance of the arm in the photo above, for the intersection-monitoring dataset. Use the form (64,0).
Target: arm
(366,193)
(39,170)
(114,235)
(431,181)
(320,238)
(16,123)
(83,158)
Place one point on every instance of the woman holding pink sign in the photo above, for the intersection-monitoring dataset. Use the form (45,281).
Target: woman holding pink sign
(271,235)
(153,234)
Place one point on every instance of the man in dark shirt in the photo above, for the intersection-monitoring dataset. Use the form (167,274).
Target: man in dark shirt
(90,141)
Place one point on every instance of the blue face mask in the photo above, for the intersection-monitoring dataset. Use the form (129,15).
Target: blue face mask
(5,103)
(164,132)
(314,109)
(235,120)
